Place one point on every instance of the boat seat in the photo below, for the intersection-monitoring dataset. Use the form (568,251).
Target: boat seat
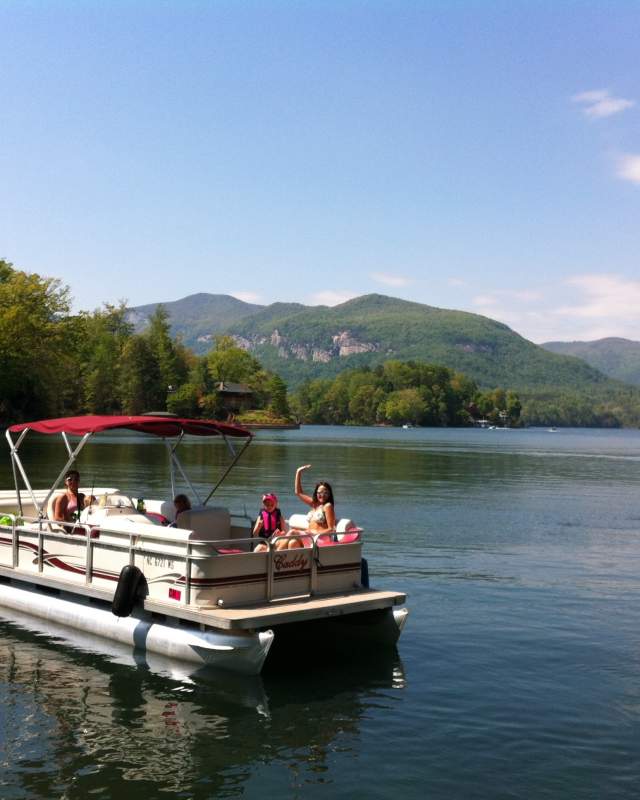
(57,527)
(49,510)
(346,530)
(298,521)
(207,522)
(168,510)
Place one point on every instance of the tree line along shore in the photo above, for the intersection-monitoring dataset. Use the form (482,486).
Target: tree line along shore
(56,363)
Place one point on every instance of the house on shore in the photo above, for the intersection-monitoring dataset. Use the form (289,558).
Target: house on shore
(235,397)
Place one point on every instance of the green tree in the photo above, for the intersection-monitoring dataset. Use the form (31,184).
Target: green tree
(105,333)
(38,366)
(172,365)
(397,375)
(277,392)
(185,401)
(513,407)
(364,405)
(405,405)
(230,363)
(307,403)
(141,387)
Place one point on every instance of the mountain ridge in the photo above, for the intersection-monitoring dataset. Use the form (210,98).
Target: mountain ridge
(615,356)
(301,342)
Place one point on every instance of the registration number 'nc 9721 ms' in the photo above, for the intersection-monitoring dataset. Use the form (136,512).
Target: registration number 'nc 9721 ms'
(159,561)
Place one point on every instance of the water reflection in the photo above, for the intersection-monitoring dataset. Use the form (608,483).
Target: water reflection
(86,717)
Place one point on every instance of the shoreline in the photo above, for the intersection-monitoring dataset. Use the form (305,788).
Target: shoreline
(282,426)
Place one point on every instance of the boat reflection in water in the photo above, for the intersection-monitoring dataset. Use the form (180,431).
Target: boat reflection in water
(81,719)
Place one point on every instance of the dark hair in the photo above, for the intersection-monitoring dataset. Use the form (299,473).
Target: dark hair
(182,498)
(327,486)
(72,472)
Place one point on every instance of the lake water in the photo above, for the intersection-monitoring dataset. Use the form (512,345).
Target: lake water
(517,675)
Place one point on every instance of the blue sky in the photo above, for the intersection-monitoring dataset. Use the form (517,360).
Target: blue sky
(475,155)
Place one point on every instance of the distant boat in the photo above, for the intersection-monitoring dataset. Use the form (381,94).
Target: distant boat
(406,426)
(552,430)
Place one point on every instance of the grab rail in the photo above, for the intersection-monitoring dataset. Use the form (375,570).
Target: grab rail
(86,534)
(88,539)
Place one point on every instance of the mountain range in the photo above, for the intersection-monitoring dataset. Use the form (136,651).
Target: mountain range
(300,342)
(617,358)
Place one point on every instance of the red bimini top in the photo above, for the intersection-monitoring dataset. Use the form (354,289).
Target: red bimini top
(158,425)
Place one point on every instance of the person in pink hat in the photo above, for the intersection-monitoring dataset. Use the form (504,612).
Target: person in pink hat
(270,521)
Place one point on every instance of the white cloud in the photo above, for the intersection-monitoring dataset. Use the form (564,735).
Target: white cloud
(330,298)
(629,168)
(389,280)
(485,300)
(609,298)
(457,282)
(247,297)
(586,307)
(599,103)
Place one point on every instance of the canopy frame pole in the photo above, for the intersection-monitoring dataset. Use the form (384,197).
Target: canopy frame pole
(73,455)
(172,476)
(171,449)
(229,445)
(229,468)
(66,442)
(15,460)
(15,481)
(175,461)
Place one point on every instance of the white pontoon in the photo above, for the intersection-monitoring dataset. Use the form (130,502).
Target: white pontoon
(194,588)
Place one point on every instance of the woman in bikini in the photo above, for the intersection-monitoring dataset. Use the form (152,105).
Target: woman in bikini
(322,517)
(69,504)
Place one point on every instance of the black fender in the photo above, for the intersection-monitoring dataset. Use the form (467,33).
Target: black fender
(131,585)
(364,573)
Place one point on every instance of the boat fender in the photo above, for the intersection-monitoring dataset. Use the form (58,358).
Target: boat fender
(130,586)
(364,573)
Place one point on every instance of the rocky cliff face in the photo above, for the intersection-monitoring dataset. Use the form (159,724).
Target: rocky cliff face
(344,343)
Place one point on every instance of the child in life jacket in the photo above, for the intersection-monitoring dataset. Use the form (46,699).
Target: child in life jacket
(270,521)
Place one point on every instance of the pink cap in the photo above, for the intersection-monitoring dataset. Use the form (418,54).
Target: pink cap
(270,496)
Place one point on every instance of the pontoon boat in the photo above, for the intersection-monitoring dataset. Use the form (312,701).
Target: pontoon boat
(195,588)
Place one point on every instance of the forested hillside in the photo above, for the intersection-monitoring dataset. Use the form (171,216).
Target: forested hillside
(301,343)
(196,319)
(320,342)
(617,358)
(428,366)
(55,363)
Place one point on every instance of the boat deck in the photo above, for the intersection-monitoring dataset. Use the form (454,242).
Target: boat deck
(305,608)
(277,612)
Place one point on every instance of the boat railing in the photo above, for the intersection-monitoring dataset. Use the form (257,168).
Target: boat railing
(88,535)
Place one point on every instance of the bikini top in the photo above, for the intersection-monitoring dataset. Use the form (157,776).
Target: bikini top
(72,505)
(317,515)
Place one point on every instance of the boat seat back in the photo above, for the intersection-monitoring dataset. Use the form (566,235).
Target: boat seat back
(346,529)
(52,501)
(206,522)
(298,521)
(167,509)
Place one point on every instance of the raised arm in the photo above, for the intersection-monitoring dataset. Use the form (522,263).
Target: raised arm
(298,486)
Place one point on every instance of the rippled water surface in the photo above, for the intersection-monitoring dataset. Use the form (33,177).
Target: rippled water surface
(518,674)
